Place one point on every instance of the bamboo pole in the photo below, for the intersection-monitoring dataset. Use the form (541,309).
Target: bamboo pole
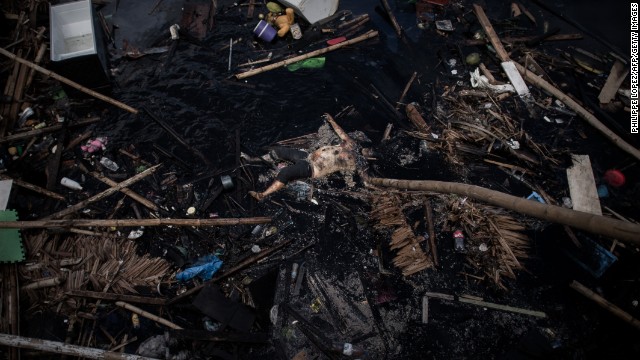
(117,297)
(605,304)
(502,307)
(52,281)
(406,89)
(589,222)
(148,315)
(57,347)
(68,82)
(231,271)
(295,59)
(104,194)
(431,230)
(35,224)
(132,194)
(32,187)
(584,114)
(46,130)
(392,17)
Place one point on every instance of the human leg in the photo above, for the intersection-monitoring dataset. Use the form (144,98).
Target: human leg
(299,170)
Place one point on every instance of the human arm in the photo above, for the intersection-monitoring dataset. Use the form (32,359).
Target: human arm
(339,131)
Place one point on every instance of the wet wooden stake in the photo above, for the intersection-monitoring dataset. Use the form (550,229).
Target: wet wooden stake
(68,82)
(605,304)
(64,349)
(117,297)
(406,89)
(431,230)
(132,194)
(589,222)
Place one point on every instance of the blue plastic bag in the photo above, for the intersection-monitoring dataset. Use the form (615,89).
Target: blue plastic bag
(204,268)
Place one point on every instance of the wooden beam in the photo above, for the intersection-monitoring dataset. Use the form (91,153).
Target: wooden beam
(617,75)
(148,315)
(582,186)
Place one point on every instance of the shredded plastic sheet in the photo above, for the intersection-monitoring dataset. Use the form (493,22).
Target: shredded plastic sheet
(481,81)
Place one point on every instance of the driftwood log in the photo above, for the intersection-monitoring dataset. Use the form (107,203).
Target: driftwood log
(596,224)
(605,304)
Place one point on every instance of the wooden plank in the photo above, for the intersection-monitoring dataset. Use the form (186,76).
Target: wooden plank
(539,314)
(617,75)
(425,309)
(582,186)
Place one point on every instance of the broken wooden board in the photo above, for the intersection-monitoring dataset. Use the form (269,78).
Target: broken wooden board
(617,75)
(582,186)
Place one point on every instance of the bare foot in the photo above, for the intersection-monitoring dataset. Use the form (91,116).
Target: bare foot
(256,195)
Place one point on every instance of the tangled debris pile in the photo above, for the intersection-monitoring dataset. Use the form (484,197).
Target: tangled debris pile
(521,183)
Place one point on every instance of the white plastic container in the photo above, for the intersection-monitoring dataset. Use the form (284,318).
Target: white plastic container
(71,184)
(72,33)
(78,49)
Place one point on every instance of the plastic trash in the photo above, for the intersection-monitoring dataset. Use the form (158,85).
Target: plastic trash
(204,268)
(294,272)
(71,184)
(97,144)
(134,234)
(481,81)
(614,177)
(535,196)
(458,239)
(313,63)
(603,191)
(109,164)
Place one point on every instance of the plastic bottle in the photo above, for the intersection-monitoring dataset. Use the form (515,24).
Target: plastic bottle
(71,184)
(109,164)
(347,349)
(458,238)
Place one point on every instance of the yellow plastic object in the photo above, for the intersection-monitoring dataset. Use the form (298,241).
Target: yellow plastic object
(274,7)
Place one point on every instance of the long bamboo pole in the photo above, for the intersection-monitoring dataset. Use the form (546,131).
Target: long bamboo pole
(68,82)
(605,304)
(57,347)
(35,224)
(584,114)
(295,59)
(148,315)
(104,194)
(597,224)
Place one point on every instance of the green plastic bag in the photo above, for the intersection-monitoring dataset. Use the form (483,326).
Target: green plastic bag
(313,63)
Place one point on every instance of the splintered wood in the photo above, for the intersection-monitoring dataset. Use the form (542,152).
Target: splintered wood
(387,214)
(495,244)
(86,263)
